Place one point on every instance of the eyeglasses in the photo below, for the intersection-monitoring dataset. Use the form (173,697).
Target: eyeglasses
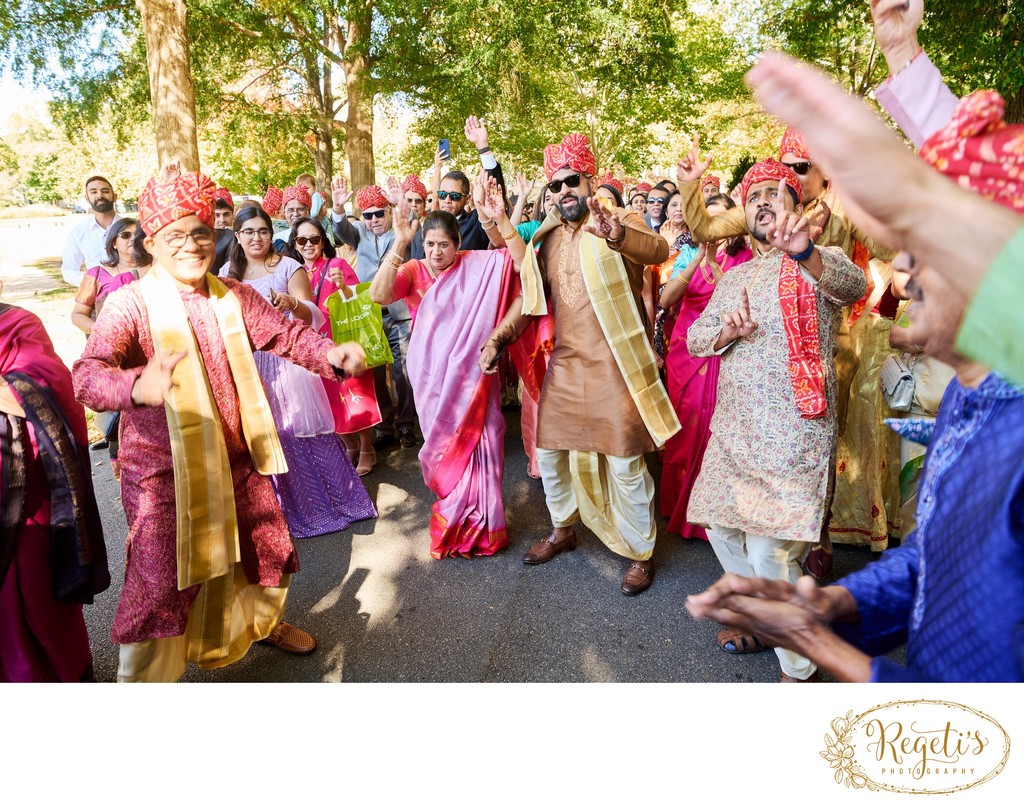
(454,196)
(572,181)
(414,200)
(127,235)
(251,232)
(302,241)
(656,200)
(203,237)
(368,215)
(801,168)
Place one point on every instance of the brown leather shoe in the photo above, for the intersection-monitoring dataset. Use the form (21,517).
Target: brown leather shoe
(548,548)
(291,639)
(638,577)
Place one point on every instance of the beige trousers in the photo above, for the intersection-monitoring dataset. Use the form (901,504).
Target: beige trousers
(766,558)
(614,497)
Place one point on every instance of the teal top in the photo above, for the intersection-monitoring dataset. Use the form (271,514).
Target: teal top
(993,329)
(527,229)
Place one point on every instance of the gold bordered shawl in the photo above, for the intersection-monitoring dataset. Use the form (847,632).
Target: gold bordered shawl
(207,526)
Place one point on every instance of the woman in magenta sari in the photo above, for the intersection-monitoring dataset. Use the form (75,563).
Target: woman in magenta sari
(456,298)
(52,557)
(692,381)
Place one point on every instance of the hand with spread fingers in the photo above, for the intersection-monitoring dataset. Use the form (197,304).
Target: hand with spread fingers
(476,132)
(392,190)
(156,380)
(603,223)
(404,229)
(736,324)
(790,234)
(693,164)
(340,194)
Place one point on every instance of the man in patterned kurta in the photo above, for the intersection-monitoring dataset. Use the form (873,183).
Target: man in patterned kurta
(602,404)
(763,485)
(208,564)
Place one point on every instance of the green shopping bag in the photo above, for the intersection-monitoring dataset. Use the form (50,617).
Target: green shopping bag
(359,320)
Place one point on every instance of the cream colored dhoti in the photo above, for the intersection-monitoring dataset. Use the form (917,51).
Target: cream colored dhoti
(614,497)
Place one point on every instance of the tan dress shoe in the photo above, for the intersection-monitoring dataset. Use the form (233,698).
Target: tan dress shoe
(548,548)
(638,577)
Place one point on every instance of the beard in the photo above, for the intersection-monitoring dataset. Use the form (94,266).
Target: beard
(572,207)
(102,205)
(759,234)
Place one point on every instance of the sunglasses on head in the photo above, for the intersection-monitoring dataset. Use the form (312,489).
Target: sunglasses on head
(802,167)
(454,196)
(302,241)
(368,215)
(572,181)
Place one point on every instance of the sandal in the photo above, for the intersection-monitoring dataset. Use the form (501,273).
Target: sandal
(290,639)
(366,462)
(740,642)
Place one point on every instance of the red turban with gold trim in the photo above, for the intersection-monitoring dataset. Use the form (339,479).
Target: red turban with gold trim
(413,183)
(711,179)
(980,152)
(793,141)
(272,200)
(573,152)
(162,203)
(299,193)
(225,195)
(770,169)
(643,188)
(609,180)
(372,196)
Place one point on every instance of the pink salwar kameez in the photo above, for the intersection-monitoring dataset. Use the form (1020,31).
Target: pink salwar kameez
(692,384)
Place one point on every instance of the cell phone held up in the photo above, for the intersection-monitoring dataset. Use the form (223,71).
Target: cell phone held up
(444,146)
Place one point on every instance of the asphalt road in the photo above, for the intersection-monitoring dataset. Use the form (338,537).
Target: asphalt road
(383,611)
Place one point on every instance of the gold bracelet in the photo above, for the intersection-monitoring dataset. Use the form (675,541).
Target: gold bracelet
(508,236)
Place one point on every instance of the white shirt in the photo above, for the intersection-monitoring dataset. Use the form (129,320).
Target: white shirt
(85,243)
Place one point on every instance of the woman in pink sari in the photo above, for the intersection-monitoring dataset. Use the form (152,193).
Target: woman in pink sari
(354,399)
(692,381)
(456,298)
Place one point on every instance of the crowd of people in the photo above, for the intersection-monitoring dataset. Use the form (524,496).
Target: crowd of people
(779,356)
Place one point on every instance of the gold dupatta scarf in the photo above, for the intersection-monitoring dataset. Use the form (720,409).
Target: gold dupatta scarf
(207,526)
(611,295)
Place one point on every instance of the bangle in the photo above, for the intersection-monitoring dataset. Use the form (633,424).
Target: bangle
(488,224)
(508,236)
(799,258)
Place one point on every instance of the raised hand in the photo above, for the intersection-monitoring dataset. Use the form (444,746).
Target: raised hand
(392,190)
(791,229)
(170,172)
(340,194)
(490,203)
(603,224)
(524,185)
(349,357)
(400,222)
(476,132)
(737,324)
(896,24)
(693,164)
(156,379)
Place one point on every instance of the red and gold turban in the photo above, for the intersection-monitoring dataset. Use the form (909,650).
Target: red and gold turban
(643,188)
(299,193)
(573,152)
(162,203)
(412,183)
(711,179)
(610,181)
(980,152)
(793,141)
(770,169)
(272,201)
(372,197)
(225,195)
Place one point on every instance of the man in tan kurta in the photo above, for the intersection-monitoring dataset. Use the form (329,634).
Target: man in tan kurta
(594,425)
(764,482)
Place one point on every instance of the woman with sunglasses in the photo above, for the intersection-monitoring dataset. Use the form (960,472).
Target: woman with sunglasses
(126,261)
(354,400)
(320,493)
(456,296)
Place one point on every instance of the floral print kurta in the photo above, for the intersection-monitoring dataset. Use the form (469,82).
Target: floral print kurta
(766,469)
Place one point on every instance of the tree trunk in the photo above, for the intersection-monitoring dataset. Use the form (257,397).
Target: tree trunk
(359,121)
(1015,107)
(165,23)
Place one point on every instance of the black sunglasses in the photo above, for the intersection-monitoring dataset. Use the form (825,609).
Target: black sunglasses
(368,215)
(801,168)
(301,241)
(656,200)
(454,196)
(572,181)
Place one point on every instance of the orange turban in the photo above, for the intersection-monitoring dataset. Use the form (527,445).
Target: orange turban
(372,197)
(573,152)
(980,152)
(770,169)
(298,193)
(272,201)
(163,203)
(643,188)
(793,141)
(711,179)
(412,183)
